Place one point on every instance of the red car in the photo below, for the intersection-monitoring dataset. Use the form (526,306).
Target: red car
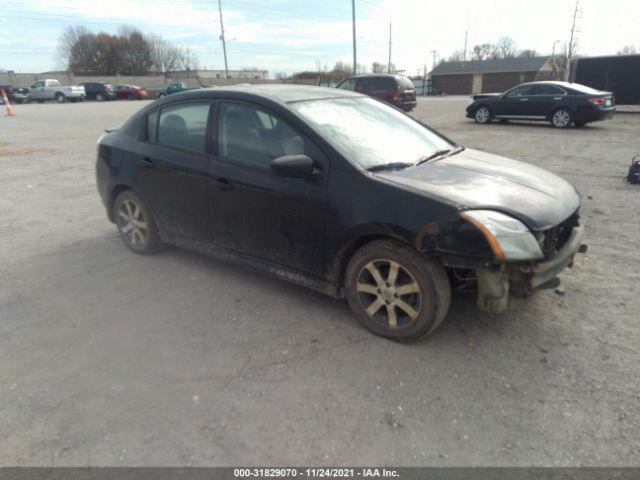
(131,92)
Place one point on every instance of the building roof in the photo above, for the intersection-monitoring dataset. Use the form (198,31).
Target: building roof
(500,65)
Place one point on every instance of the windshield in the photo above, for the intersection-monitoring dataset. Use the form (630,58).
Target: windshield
(371,133)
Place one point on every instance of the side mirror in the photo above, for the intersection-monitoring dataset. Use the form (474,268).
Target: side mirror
(293,166)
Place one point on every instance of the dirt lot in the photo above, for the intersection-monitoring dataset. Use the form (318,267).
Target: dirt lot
(108,358)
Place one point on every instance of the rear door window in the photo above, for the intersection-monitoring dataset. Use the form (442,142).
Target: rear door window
(547,90)
(385,83)
(181,126)
(365,85)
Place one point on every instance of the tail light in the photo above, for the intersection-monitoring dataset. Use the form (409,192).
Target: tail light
(397,94)
(10,89)
(105,89)
(597,100)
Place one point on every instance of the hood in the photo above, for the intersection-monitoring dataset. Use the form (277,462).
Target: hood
(479,180)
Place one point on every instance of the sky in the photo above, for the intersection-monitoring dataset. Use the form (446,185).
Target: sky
(289,36)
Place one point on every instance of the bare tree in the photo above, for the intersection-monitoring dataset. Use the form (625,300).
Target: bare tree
(164,56)
(457,56)
(627,50)
(377,67)
(505,48)
(342,67)
(528,53)
(188,59)
(482,52)
(134,52)
(69,37)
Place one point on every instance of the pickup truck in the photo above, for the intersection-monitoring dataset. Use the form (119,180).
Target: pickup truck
(51,89)
(15,94)
(175,87)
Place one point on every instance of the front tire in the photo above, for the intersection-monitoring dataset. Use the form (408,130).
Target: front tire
(135,224)
(483,115)
(396,292)
(561,118)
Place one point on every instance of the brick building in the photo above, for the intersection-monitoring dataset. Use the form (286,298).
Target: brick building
(487,76)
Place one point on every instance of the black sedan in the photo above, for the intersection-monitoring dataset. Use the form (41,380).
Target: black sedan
(341,193)
(560,103)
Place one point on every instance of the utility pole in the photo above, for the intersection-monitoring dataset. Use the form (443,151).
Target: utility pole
(424,80)
(464,52)
(389,66)
(570,49)
(224,44)
(353,15)
(434,53)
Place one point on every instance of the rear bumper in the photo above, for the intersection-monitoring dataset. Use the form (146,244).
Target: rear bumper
(594,114)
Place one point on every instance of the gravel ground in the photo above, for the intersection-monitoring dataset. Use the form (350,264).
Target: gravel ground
(108,358)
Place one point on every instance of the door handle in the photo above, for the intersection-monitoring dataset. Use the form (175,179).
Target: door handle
(224,184)
(146,163)
(524,99)
(557,98)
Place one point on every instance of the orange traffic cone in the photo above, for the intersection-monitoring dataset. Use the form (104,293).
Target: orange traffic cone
(6,102)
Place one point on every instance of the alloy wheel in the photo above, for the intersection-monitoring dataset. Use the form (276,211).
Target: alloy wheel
(561,118)
(389,293)
(133,224)
(483,115)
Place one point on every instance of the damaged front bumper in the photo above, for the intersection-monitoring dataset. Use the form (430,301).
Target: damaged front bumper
(494,284)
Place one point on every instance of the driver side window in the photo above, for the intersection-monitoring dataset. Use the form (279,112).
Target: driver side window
(520,92)
(253,136)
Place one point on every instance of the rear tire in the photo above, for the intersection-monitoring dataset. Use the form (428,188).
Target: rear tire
(60,98)
(483,115)
(100,97)
(396,292)
(135,224)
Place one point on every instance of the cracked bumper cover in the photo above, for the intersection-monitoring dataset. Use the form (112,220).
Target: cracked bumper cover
(494,284)
(543,272)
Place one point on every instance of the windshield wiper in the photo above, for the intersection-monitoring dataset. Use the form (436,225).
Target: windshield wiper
(439,153)
(390,166)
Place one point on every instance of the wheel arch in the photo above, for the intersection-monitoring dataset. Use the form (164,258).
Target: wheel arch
(115,191)
(348,250)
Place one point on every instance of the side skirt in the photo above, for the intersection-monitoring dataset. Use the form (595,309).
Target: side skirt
(229,256)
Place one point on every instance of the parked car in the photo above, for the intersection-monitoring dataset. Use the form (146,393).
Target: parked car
(341,193)
(99,91)
(394,89)
(560,103)
(51,89)
(130,92)
(175,87)
(15,94)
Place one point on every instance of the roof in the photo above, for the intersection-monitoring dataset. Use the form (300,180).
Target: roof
(499,65)
(278,92)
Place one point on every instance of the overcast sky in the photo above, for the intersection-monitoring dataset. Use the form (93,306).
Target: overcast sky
(292,35)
